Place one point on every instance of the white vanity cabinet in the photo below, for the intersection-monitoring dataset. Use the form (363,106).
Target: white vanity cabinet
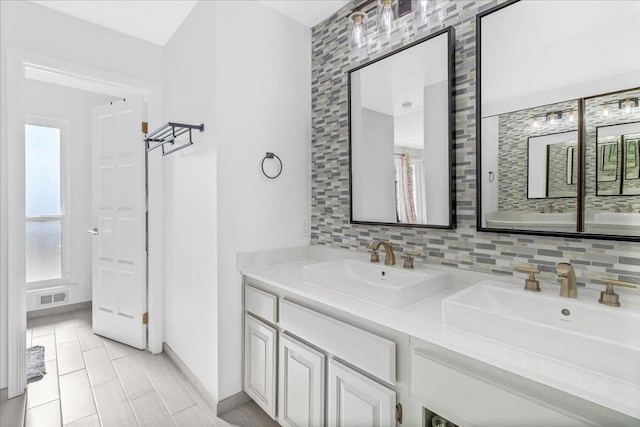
(355,400)
(312,386)
(301,379)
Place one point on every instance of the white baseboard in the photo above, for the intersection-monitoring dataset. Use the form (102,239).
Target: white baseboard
(218,408)
(58,309)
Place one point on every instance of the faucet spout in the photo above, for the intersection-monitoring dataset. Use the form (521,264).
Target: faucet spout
(389,256)
(568,284)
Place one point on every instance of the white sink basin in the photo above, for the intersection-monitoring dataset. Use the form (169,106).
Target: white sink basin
(627,218)
(391,286)
(592,336)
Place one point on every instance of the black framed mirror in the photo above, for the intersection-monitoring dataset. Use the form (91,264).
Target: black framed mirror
(401,128)
(554,68)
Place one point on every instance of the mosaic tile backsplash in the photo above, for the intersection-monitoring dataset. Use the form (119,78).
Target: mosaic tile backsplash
(463,247)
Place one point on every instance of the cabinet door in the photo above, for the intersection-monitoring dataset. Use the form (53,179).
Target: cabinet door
(355,400)
(260,363)
(300,384)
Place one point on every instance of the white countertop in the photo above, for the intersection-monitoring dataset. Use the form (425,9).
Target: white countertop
(423,321)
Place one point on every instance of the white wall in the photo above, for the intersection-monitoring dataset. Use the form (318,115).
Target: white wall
(490,126)
(30,27)
(252,90)
(191,197)
(74,106)
(436,152)
(264,104)
(374,191)
(408,130)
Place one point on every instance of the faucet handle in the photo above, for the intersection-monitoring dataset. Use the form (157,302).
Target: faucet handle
(609,297)
(531,284)
(374,256)
(408,261)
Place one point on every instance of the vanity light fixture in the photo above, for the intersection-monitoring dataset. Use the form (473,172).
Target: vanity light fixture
(421,9)
(386,14)
(386,18)
(553,118)
(628,104)
(357,39)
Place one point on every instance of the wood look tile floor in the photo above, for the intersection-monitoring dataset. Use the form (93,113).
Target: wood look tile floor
(93,381)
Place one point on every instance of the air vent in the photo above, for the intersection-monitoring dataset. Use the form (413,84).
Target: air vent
(56,298)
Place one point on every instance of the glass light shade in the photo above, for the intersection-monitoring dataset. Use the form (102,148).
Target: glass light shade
(421,9)
(357,39)
(627,104)
(386,18)
(606,110)
(571,116)
(552,118)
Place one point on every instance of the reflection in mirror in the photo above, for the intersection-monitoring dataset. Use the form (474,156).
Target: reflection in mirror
(612,198)
(561,71)
(632,157)
(400,136)
(550,167)
(572,164)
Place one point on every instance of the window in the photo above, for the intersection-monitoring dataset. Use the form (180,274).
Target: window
(45,213)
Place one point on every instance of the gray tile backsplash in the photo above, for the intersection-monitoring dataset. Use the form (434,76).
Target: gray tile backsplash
(463,247)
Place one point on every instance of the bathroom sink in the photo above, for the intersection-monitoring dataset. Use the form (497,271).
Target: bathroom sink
(391,286)
(579,332)
(627,218)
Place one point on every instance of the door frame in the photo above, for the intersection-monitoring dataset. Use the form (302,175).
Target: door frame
(19,64)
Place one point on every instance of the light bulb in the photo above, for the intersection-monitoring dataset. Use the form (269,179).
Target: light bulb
(386,19)
(421,9)
(357,31)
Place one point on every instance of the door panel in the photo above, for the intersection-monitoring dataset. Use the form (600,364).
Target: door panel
(355,400)
(119,214)
(260,363)
(300,384)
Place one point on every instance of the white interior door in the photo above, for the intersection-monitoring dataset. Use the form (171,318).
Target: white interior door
(119,221)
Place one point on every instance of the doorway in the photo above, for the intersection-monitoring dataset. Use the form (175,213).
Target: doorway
(23,69)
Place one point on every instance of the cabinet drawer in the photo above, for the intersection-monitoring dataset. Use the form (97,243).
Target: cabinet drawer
(261,303)
(469,401)
(351,344)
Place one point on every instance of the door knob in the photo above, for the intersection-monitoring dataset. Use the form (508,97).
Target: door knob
(93,231)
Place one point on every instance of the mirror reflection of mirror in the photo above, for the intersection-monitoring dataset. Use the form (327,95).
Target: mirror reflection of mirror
(400,136)
(632,157)
(561,66)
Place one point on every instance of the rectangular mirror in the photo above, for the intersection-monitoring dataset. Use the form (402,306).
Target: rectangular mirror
(400,136)
(557,98)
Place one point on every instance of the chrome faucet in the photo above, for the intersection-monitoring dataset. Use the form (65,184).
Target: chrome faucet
(389,257)
(568,285)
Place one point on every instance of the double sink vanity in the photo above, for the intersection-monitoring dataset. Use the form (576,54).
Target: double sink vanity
(332,338)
